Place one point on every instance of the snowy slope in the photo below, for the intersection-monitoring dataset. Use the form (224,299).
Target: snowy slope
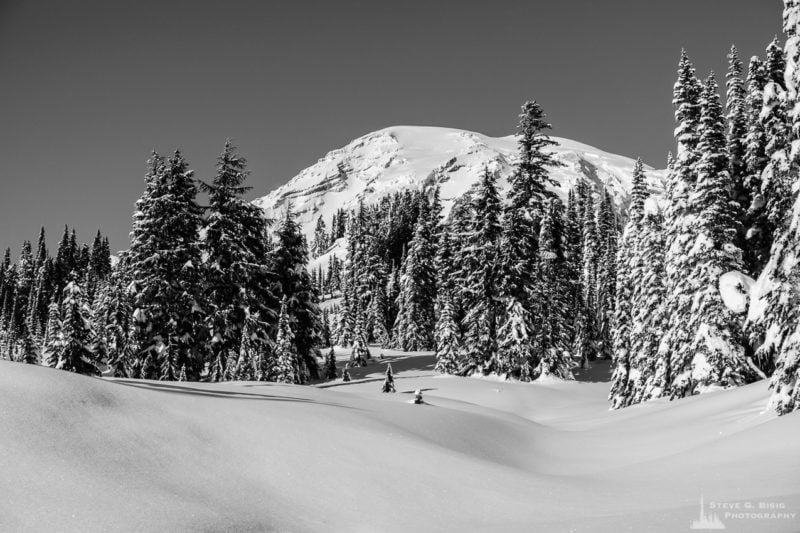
(86,454)
(403,157)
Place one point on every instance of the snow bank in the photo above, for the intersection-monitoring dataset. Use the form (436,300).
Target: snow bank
(87,454)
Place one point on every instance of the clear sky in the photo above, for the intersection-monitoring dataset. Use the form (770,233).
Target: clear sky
(89,88)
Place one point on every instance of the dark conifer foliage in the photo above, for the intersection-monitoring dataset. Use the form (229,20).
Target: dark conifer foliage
(238,278)
(289,258)
(164,264)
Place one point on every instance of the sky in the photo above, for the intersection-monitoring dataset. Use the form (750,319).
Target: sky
(91,87)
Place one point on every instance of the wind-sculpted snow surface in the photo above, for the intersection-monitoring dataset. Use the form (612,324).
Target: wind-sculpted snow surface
(87,454)
(402,157)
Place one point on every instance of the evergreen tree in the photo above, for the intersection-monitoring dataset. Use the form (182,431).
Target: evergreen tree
(52,339)
(289,260)
(377,317)
(514,343)
(320,243)
(627,283)
(680,231)
(736,115)
(251,349)
(776,184)
(413,328)
(388,382)
(163,263)
(648,319)
(168,371)
(480,272)
(606,273)
(75,350)
(360,352)
(553,335)
(528,183)
(285,352)
(345,323)
(238,280)
(447,338)
(589,335)
(774,314)
(29,352)
(715,356)
(330,365)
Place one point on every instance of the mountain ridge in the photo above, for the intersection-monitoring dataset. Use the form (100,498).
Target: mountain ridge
(401,157)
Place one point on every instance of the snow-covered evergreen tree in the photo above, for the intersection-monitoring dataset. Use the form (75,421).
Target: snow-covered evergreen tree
(360,352)
(480,272)
(285,361)
(164,262)
(736,118)
(289,260)
(680,228)
(715,355)
(514,342)
(553,336)
(648,319)
(236,248)
(447,337)
(377,318)
(528,184)
(52,337)
(388,382)
(606,273)
(330,364)
(627,283)
(413,327)
(774,314)
(75,349)
(320,242)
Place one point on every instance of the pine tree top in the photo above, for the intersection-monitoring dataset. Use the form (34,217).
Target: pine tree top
(638,192)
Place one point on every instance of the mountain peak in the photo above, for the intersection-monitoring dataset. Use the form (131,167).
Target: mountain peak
(402,157)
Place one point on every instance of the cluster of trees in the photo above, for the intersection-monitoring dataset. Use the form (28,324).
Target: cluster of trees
(728,209)
(509,286)
(37,287)
(210,292)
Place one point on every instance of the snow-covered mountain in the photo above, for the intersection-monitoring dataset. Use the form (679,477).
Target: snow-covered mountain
(401,157)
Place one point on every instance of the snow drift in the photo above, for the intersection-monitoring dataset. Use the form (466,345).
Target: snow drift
(87,454)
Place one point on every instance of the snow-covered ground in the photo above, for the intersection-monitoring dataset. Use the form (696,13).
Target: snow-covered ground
(88,454)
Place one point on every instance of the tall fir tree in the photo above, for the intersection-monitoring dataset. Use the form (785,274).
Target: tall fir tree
(715,356)
(680,230)
(447,337)
(552,342)
(774,314)
(289,260)
(236,247)
(285,362)
(414,325)
(480,272)
(736,141)
(164,265)
(74,351)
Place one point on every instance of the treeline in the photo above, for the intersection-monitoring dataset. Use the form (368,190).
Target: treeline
(34,285)
(203,292)
(509,286)
(728,209)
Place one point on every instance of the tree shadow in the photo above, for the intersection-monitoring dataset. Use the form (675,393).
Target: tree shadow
(599,371)
(160,386)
